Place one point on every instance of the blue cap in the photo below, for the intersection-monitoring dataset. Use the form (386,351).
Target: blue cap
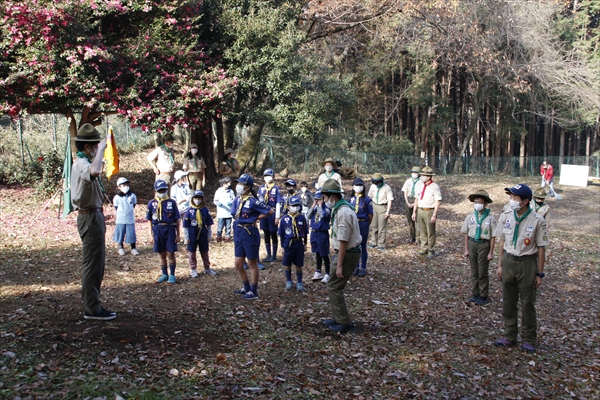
(295,201)
(246,179)
(160,185)
(198,193)
(318,195)
(358,182)
(521,190)
(268,172)
(290,182)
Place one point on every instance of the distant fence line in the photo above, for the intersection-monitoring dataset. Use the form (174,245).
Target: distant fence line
(307,159)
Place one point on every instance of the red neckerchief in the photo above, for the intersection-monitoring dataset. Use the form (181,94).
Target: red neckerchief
(429,182)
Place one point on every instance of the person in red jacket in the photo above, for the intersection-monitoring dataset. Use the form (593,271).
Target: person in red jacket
(547,173)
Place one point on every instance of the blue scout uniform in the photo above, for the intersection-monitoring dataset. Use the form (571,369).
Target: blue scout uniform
(319,223)
(363,207)
(198,220)
(270,196)
(245,212)
(293,233)
(164,215)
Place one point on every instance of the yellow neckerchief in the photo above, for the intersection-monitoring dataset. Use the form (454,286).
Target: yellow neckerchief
(198,217)
(268,189)
(357,205)
(242,201)
(296,234)
(159,200)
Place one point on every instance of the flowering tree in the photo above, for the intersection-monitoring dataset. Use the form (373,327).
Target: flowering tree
(142,59)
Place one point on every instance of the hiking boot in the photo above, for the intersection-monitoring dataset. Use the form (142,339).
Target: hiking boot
(210,272)
(482,301)
(362,273)
(162,278)
(528,348)
(328,322)
(300,287)
(193,273)
(250,296)
(422,252)
(381,248)
(219,238)
(355,273)
(504,342)
(267,259)
(474,299)
(288,285)
(317,276)
(342,327)
(227,239)
(431,255)
(325,279)
(103,315)
(121,252)
(240,291)
(172,280)
(372,246)
(135,252)
(261,266)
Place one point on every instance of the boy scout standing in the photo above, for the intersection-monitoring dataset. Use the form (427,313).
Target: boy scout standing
(87,199)
(162,160)
(425,210)
(409,199)
(345,240)
(522,238)
(479,230)
(540,206)
(382,196)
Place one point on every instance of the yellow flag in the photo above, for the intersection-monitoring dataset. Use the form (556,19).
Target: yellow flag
(111,154)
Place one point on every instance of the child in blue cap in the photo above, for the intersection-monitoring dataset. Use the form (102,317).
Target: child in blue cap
(199,223)
(270,195)
(293,233)
(320,216)
(163,217)
(363,207)
(246,209)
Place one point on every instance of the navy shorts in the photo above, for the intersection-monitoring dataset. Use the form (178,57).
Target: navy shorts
(246,241)
(293,254)
(200,243)
(164,238)
(268,223)
(319,242)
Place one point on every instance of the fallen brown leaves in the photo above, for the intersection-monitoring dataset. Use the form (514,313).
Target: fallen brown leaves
(417,337)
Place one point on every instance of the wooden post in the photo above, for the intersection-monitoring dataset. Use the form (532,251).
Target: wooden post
(20,130)
(54,130)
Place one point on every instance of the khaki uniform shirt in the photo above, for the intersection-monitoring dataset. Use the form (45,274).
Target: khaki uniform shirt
(161,159)
(323,177)
(85,189)
(225,169)
(410,187)
(381,195)
(431,196)
(544,211)
(488,226)
(345,227)
(195,165)
(532,234)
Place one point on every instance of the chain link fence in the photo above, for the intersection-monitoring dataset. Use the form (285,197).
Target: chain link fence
(298,158)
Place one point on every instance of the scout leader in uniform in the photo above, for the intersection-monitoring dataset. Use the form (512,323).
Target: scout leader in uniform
(522,238)
(86,196)
(409,200)
(162,160)
(479,230)
(425,210)
(540,206)
(382,196)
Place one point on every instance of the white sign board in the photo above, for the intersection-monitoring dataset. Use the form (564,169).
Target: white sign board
(574,175)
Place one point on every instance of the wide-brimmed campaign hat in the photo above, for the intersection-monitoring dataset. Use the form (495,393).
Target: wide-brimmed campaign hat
(168,138)
(427,171)
(415,169)
(331,186)
(88,133)
(329,160)
(481,193)
(540,193)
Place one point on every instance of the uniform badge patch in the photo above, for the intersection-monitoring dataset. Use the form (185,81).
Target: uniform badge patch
(527,241)
(530,228)
(288,231)
(472,220)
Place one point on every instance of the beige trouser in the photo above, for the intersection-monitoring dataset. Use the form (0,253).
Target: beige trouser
(379,225)
(195,180)
(335,287)
(426,229)
(165,176)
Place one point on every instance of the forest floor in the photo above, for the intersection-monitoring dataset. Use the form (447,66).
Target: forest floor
(417,336)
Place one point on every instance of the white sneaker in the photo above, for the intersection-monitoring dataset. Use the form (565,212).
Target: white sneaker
(193,273)
(325,279)
(210,272)
(317,276)
(121,252)
(135,252)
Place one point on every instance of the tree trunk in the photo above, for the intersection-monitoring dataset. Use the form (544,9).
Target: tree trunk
(248,151)
(229,131)
(203,138)
(476,104)
(220,139)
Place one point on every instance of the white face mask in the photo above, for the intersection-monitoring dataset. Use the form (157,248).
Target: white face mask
(197,201)
(124,189)
(330,203)
(162,195)
(358,189)
(268,179)
(424,178)
(328,168)
(194,151)
(414,175)
(478,207)
(294,209)
(515,205)
(303,190)
(240,189)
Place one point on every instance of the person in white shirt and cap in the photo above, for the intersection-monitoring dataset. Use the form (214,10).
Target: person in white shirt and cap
(181,193)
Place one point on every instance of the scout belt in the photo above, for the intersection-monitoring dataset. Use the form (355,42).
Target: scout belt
(89,210)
